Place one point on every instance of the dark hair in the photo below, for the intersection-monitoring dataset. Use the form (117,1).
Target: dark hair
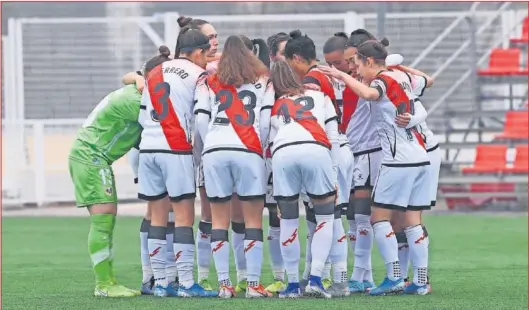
(337,42)
(284,80)
(373,49)
(300,45)
(190,40)
(190,22)
(258,48)
(157,60)
(274,41)
(358,37)
(238,65)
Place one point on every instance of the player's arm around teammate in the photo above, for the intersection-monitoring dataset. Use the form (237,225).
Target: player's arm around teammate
(401,182)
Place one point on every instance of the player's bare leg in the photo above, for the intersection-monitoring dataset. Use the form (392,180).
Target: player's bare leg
(203,240)
(362,276)
(388,248)
(252,208)
(220,247)
(157,244)
(100,246)
(418,245)
(237,242)
(322,240)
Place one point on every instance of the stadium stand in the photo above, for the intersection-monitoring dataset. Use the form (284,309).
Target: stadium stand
(516,126)
(489,159)
(525,33)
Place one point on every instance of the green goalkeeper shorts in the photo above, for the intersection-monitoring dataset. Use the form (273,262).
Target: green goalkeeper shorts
(94,183)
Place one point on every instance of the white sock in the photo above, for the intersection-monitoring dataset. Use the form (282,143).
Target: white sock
(237,243)
(338,254)
(184,249)
(387,246)
(308,253)
(274,248)
(352,235)
(220,248)
(326,274)
(364,247)
(290,248)
(404,253)
(253,250)
(368,276)
(170,266)
(418,244)
(321,240)
(158,254)
(144,252)
(203,241)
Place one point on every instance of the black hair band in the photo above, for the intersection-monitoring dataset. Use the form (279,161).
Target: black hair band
(192,48)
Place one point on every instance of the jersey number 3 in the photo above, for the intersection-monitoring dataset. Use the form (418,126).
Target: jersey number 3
(225,98)
(163,100)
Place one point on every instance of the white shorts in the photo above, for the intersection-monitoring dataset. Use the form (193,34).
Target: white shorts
(402,188)
(433,173)
(269,178)
(161,174)
(366,168)
(345,175)
(303,167)
(227,172)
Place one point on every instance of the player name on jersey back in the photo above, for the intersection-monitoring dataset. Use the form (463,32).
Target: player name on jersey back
(234,114)
(301,119)
(400,146)
(169,100)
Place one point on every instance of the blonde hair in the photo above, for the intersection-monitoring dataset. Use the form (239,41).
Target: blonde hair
(285,81)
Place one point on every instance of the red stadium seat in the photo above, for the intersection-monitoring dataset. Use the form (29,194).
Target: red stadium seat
(516,126)
(489,159)
(504,62)
(525,33)
(521,162)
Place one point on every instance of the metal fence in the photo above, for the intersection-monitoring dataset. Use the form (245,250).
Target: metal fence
(59,69)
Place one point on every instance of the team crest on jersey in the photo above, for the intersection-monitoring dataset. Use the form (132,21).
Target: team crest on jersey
(109,191)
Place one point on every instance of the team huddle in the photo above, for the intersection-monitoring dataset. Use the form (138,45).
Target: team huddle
(264,125)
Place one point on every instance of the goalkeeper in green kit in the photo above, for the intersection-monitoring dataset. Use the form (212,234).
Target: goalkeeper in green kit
(108,133)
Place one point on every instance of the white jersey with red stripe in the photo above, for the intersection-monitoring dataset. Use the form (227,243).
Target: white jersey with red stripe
(301,119)
(400,146)
(339,87)
(234,114)
(419,86)
(169,99)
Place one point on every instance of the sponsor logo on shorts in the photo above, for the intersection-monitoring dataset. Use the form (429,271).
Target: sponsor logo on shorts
(109,191)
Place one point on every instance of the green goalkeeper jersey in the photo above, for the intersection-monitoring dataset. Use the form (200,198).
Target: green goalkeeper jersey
(112,128)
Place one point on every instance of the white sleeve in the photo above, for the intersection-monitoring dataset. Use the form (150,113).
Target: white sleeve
(419,114)
(202,96)
(264,126)
(269,96)
(331,128)
(134,161)
(418,84)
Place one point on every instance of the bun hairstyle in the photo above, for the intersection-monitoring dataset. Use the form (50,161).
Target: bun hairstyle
(384,41)
(157,60)
(164,51)
(190,22)
(183,21)
(301,45)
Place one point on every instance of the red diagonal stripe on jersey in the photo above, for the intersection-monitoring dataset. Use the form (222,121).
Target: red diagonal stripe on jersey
(246,133)
(307,121)
(349,103)
(326,88)
(174,133)
(398,96)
